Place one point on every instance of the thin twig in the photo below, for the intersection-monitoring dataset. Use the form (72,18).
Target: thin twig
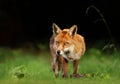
(103,19)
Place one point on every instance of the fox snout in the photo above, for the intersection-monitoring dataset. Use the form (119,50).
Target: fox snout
(58,52)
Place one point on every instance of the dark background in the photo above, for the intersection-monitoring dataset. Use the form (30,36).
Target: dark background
(24,21)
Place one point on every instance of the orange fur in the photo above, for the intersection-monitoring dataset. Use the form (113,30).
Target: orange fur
(66,45)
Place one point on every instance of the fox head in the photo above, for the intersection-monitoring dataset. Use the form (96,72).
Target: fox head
(63,39)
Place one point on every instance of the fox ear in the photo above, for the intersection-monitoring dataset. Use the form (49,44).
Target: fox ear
(56,29)
(73,30)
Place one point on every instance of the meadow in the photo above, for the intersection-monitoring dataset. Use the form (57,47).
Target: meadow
(18,66)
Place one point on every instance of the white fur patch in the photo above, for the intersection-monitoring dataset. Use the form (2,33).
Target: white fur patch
(71,48)
(72,55)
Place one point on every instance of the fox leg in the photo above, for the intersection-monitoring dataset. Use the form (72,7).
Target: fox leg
(57,64)
(54,66)
(65,68)
(56,70)
(75,69)
(75,66)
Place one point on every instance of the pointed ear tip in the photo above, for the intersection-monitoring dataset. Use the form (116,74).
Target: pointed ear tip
(75,25)
(53,23)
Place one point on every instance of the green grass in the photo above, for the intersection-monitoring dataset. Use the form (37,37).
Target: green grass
(19,67)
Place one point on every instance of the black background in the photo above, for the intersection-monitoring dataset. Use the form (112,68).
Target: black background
(24,21)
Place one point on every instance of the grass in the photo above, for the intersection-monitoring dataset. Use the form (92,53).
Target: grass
(22,67)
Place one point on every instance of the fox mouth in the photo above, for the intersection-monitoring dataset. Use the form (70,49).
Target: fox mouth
(67,52)
(70,58)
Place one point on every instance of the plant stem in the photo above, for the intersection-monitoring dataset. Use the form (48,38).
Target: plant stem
(101,15)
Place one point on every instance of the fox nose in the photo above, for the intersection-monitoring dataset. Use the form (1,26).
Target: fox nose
(58,52)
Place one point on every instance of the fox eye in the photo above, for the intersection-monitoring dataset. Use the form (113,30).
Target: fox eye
(57,42)
(66,43)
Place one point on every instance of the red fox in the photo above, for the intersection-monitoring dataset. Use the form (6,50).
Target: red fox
(66,45)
